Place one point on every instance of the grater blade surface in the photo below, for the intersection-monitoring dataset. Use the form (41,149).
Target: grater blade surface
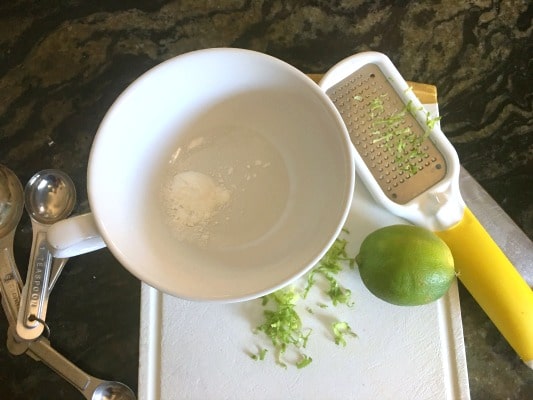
(393,144)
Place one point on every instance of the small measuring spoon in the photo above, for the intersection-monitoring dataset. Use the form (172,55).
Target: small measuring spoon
(50,196)
(92,388)
(11,206)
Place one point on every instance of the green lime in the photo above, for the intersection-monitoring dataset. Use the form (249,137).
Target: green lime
(405,265)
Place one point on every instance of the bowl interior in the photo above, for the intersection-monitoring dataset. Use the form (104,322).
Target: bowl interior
(262,140)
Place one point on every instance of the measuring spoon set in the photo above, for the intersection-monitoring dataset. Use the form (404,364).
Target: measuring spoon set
(48,197)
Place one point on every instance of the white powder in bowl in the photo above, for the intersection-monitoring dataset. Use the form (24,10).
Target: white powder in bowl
(192,198)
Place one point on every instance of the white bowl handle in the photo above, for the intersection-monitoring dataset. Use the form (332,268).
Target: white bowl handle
(74,236)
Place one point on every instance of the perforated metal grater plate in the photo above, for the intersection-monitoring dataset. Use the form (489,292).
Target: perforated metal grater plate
(389,139)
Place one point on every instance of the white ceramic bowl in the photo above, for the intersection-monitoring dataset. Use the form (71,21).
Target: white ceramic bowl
(255,152)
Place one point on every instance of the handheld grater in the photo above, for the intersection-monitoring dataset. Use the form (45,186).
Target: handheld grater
(410,168)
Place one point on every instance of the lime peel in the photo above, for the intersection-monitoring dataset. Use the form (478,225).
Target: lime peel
(405,265)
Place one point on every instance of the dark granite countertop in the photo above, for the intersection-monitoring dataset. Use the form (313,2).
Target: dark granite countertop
(62,64)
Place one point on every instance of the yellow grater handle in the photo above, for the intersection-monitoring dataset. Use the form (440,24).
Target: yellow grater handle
(493,282)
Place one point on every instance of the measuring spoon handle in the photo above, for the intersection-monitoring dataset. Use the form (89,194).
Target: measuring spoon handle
(57,267)
(10,280)
(43,351)
(34,293)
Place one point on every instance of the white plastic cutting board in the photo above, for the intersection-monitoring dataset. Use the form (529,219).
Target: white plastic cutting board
(191,350)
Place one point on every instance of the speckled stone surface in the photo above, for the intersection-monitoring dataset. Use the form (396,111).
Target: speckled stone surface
(62,64)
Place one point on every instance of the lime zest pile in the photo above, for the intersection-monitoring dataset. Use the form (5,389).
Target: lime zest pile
(408,89)
(282,324)
(260,354)
(401,142)
(329,267)
(431,121)
(341,329)
(304,362)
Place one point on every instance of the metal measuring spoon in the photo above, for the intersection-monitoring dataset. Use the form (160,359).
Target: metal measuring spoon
(50,196)
(92,388)
(11,206)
